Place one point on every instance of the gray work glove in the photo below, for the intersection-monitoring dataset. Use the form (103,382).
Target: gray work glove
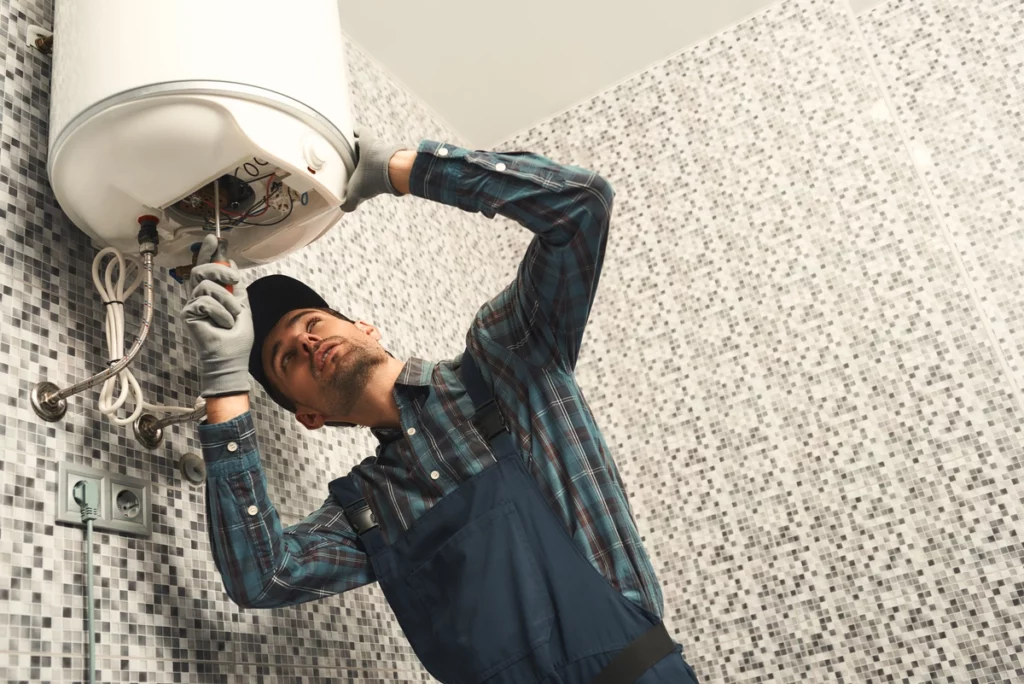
(220,323)
(371,176)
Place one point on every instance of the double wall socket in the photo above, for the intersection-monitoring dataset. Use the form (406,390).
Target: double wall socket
(124,501)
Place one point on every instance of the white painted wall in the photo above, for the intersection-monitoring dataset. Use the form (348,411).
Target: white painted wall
(493,69)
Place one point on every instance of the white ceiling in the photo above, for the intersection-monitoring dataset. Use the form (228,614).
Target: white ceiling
(492,69)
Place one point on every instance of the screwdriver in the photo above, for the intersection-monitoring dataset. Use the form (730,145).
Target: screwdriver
(222,245)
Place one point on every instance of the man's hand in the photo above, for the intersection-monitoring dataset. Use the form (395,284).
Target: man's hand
(372,176)
(220,323)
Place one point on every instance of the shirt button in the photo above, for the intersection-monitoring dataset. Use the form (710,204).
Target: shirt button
(499,167)
(232,446)
(411,431)
(443,152)
(252,510)
(434,474)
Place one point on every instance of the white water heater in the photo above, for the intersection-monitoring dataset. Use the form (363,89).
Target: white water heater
(155,101)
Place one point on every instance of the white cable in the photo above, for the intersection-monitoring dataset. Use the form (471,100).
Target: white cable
(113,291)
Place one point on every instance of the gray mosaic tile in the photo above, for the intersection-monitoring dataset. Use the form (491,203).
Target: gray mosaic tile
(953,72)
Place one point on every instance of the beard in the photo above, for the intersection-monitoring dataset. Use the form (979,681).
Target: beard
(346,380)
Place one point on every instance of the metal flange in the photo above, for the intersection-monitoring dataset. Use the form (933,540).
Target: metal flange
(193,468)
(149,434)
(52,410)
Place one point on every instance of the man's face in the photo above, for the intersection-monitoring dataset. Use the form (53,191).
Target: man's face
(322,363)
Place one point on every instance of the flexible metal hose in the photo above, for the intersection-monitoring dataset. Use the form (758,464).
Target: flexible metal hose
(122,363)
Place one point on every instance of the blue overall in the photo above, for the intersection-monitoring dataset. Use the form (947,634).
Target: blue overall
(489,586)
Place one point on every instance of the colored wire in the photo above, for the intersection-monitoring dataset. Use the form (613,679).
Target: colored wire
(266,200)
(291,207)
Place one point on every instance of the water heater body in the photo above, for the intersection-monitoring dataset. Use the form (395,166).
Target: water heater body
(153,102)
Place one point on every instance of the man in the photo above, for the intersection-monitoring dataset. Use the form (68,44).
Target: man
(492,514)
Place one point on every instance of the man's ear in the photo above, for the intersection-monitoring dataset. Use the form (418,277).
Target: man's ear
(369,329)
(312,420)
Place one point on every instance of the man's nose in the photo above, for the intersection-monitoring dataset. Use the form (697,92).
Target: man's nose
(308,342)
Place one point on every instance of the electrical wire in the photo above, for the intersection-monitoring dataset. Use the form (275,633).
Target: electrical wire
(291,207)
(114,288)
(89,582)
(235,219)
(88,506)
(266,199)
(253,211)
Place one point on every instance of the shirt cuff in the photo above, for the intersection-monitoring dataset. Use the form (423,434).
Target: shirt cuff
(436,169)
(230,446)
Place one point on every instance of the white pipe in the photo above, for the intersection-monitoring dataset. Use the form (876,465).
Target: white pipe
(113,290)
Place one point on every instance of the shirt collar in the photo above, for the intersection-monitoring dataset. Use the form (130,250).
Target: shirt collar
(415,373)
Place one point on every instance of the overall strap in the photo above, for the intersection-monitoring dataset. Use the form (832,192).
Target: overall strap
(360,517)
(487,417)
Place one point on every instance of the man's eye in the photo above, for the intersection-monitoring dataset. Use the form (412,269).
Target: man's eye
(312,321)
(284,360)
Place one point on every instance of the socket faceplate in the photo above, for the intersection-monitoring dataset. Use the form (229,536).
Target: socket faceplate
(125,506)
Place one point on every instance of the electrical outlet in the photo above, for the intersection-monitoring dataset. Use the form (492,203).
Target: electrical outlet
(124,501)
(129,505)
(68,510)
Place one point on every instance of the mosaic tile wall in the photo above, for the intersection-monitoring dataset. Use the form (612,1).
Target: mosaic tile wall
(818,423)
(802,354)
(954,70)
(410,267)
